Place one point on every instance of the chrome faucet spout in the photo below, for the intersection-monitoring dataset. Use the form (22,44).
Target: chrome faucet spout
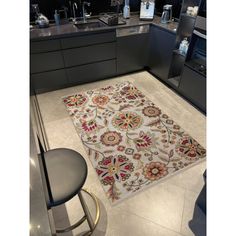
(84,13)
(74,14)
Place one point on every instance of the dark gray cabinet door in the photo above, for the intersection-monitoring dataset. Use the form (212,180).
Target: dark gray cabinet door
(85,40)
(45,46)
(162,44)
(89,54)
(91,72)
(47,81)
(46,61)
(132,53)
(193,86)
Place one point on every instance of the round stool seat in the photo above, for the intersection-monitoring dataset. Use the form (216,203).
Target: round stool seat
(67,172)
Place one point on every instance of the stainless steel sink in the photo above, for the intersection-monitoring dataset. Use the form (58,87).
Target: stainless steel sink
(89,25)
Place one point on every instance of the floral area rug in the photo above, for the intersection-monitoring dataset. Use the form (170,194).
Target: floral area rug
(129,141)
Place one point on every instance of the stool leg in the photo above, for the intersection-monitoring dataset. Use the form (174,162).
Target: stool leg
(86,212)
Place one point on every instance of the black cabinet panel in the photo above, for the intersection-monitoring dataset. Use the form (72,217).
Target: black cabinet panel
(83,55)
(162,43)
(46,61)
(47,81)
(193,86)
(132,53)
(45,46)
(85,40)
(91,72)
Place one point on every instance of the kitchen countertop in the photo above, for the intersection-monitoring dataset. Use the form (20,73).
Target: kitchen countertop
(69,29)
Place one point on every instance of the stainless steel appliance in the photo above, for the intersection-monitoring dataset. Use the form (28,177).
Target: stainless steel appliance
(147,9)
(166,14)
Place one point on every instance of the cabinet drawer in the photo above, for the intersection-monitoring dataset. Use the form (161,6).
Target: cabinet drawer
(91,72)
(45,46)
(130,59)
(193,86)
(84,55)
(46,61)
(85,40)
(47,81)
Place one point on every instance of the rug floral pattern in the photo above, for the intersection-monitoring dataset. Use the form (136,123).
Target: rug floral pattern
(129,141)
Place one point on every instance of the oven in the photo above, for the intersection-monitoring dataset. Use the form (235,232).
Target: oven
(197,53)
(196,58)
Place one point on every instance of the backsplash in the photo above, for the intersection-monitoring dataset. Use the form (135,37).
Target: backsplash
(48,7)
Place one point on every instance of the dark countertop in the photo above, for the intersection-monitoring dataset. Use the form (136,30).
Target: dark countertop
(69,29)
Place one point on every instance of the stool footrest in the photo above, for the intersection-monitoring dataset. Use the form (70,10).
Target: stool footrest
(92,223)
(67,229)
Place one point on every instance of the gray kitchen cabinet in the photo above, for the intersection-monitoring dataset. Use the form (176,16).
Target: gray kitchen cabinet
(193,86)
(89,54)
(162,43)
(91,72)
(47,61)
(132,49)
(85,40)
(67,61)
(48,81)
(45,46)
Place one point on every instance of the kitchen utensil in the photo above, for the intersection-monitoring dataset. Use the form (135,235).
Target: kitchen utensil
(41,20)
(166,16)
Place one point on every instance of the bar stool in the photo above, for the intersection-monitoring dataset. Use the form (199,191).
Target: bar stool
(66,172)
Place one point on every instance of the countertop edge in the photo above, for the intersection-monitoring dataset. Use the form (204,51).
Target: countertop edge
(56,32)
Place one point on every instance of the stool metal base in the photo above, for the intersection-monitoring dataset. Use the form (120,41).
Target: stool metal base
(92,224)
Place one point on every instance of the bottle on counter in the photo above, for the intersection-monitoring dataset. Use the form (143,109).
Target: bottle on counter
(183,47)
(126,10)
(57,17)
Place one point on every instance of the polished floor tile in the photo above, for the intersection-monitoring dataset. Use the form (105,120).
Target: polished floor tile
(162,210)
(190,179)
(161,204)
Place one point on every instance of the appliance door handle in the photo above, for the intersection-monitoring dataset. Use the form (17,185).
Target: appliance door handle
(201,35)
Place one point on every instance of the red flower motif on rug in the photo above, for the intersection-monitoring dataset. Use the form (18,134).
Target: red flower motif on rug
(127,120)
(75,100)
(89,126)
(114,168)
(155,170)
(151,111)
(131,92)
(145,141)
(100,100)
(188,148)
(111,138)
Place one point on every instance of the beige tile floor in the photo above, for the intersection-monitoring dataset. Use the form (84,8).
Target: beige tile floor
(164,209)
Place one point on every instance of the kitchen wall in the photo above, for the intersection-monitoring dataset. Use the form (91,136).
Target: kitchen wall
(47,7)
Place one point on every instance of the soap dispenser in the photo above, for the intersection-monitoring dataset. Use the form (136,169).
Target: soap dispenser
(126,10)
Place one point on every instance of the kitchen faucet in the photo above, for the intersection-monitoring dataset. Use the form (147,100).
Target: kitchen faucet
(74,6)
(84,13)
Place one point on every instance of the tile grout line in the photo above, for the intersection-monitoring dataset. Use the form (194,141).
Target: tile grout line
(185,191)
(142,217)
